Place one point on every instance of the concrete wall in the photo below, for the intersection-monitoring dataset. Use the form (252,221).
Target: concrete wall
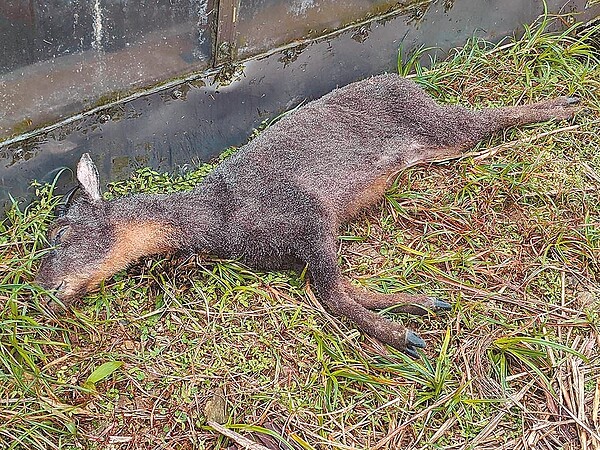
(60,57)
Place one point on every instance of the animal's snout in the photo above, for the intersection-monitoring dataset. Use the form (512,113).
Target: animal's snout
(64,290)
(53,281)
(65,286)
(51,299)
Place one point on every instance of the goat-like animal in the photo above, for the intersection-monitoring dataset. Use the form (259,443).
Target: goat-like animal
(278,202)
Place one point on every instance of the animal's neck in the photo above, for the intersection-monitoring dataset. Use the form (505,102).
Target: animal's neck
(134,240)
(153,224)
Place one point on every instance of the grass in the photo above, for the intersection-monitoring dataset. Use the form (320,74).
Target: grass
(511,237)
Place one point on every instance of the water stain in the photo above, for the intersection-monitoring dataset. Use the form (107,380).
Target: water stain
(97,26)
(228,73)
(289,55)
(362,33)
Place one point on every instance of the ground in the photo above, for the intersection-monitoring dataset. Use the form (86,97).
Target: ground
(509,235)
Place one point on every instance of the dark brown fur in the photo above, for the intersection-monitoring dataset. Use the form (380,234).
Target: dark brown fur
(279,201)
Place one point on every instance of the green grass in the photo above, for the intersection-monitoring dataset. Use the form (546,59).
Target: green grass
(512,240)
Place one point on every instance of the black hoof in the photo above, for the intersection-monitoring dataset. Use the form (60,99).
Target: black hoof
(572,100)
(440,305)
(414,340)
(411,352)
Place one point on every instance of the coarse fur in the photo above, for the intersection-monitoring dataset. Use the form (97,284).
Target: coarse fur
(278,202)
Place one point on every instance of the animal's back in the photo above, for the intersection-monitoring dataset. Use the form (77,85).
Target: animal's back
(339,150)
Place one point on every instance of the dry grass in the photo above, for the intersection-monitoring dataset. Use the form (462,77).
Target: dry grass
(512,240)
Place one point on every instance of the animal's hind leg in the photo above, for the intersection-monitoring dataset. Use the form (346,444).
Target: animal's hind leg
(327,280)
(464,128)
(556,108)
(400,302)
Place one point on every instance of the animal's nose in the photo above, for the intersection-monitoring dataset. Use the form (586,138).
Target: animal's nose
(52,300)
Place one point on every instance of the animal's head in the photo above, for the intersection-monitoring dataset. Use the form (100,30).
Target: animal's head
(81,239)
(92,239)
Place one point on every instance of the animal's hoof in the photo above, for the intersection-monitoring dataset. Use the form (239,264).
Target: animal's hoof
(572,100)
(440,305)
(414,340)
(411,352)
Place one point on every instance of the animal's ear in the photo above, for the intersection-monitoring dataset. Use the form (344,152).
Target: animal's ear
(88,177)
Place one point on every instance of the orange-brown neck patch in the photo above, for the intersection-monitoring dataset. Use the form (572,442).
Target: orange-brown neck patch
(133,240)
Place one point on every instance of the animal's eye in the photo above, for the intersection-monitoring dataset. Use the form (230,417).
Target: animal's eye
(59,234)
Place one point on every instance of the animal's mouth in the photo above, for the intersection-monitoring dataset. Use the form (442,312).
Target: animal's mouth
(66,291)
(62,291)
(60,296)
(53,300)
(70,289)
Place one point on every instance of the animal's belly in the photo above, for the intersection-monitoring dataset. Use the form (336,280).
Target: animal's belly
(362,197)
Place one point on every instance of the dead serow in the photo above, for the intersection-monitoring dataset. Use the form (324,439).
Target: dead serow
(279,201)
